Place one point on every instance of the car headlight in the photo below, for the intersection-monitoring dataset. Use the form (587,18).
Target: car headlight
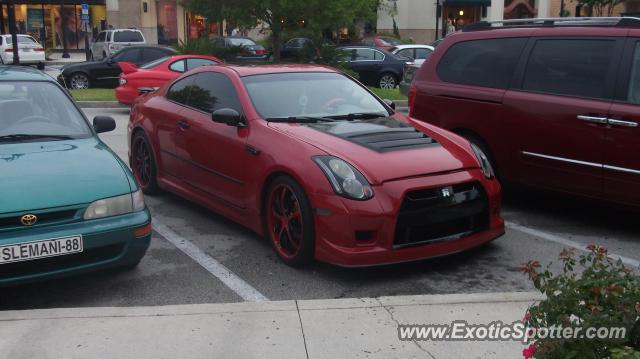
(344,178)
(114,206)
(485,164)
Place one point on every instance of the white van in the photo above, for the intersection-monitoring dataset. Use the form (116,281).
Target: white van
(110,41)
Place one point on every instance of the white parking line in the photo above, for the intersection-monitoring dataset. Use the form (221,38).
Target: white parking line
(235,283)
(567,242)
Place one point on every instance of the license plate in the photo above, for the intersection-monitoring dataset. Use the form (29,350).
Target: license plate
(40,249)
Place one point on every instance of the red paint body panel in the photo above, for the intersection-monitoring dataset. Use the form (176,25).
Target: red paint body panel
(288,149)
(154,77)
(514,123)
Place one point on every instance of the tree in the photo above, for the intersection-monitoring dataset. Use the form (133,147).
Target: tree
(277,14)
(602,7)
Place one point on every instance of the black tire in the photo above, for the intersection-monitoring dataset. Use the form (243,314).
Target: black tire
(306,249)
(476,140)
(144,168)
(387,80)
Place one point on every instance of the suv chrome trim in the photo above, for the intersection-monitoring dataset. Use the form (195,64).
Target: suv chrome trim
(584,163)
(553,21)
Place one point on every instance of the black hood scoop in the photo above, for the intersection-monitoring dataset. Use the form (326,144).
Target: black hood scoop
(381,135)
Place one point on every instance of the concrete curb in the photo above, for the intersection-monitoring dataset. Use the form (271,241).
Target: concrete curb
(100,104)
(270,306)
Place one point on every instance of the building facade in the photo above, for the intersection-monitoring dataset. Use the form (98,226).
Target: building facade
(423,22)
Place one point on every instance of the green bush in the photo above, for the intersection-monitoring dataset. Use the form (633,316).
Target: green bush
(592,291)
(202,46)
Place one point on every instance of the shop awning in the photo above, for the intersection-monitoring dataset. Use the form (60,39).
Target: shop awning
(467,3)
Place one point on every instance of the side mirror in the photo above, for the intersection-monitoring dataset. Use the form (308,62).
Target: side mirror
(103,124)
(228,116)
(390,103)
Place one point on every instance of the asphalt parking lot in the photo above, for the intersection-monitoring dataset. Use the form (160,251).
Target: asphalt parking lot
(197,256)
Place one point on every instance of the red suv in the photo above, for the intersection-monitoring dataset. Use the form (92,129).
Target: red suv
(554,103)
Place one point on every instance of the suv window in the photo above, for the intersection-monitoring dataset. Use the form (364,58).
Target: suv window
(108,36)
(569,67)
(487,63)
(213,91)
(128,36)
(634,85)
(423,53)
(179,91)
(406,53)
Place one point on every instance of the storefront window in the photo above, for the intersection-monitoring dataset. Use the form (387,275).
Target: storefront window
(167,22)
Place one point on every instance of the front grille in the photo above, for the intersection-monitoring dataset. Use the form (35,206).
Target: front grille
(441,214)
(44,265)
(43,218)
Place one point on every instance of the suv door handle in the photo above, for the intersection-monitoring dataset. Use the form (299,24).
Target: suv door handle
(593,119)
(614,122)
(184,124)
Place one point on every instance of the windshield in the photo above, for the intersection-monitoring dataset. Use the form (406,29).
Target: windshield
(155,63)
(241,42)
(316,94)
(21,40)
(390,41)
(39,108)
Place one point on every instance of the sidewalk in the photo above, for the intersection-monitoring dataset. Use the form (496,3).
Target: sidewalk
(340,328)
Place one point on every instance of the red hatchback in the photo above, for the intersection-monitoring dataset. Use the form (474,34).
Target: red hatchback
(554,103)
(313,160)
(134,80)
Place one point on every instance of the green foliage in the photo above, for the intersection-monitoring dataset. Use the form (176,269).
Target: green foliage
(592,291)
(200,46)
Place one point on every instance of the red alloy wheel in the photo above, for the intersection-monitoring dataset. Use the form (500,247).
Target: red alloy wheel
(141,161)
(285,221)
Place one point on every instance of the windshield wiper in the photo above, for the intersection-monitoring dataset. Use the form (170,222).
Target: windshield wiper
(358,116)
(26,137)
(299,119)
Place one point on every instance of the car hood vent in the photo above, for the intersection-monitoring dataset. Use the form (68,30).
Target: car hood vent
(382,135)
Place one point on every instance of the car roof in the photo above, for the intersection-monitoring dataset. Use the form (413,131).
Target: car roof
(19,73)
(277,69)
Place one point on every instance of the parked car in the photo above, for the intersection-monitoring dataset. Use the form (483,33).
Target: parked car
(69,204)
(149,77)
(375,67)
(314,161)
(238,49)
(380,42)
(299,47)
(554,104)
(419,53)
(29,50)
(109,42)
(106,73)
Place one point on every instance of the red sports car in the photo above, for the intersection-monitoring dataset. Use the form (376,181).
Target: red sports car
(134,80)
(311,159)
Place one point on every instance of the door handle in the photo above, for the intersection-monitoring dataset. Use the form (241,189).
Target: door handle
(614,122)
(593,119)
(184,124)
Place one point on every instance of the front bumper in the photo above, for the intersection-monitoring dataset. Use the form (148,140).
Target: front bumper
(362,233)
(108,243)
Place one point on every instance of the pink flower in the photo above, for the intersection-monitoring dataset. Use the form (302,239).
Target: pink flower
(529,351)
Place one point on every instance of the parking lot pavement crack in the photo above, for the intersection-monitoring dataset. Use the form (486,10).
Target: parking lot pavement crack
(304,339)
(393,318)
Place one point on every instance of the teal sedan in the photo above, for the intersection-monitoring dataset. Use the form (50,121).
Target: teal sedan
(68,204)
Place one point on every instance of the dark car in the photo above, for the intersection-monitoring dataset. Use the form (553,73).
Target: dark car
(554,104)
(375,67)
(106,73)
(299,47)
(237,49)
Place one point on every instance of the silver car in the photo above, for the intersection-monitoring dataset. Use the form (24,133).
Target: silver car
(109,42)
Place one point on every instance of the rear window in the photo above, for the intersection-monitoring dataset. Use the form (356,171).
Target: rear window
(486,63)
(128,36)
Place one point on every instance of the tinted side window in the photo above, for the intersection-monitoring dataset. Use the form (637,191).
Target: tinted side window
(179,91)
(378,56)
(127,55)
(362,54)
(151,54)
(569,67)
(406,53)
(634,84)
(193,63)
(487,63)
(127,36)
(178,66)
(423,53)
(108,36)
(213,91)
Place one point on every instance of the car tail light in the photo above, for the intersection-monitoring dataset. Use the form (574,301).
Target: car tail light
(412,97)
(8,50)
(122,81)
(261,52)
(38,49)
